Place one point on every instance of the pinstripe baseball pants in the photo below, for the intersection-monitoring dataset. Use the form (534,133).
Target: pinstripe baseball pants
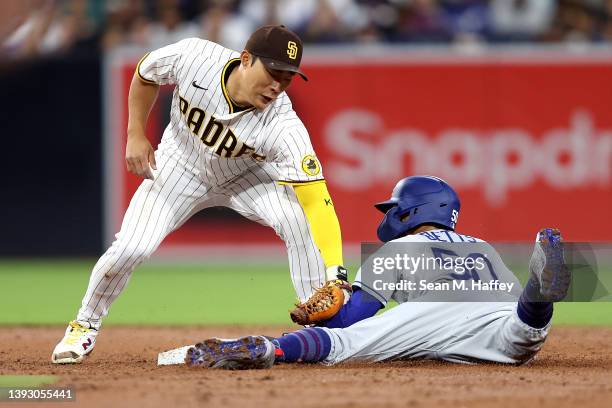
(162,205)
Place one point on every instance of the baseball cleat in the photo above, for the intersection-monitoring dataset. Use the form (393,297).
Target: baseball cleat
(547,265)
(245,353)
(78,341)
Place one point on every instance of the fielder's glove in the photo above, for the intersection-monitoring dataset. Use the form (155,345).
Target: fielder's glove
(325,302)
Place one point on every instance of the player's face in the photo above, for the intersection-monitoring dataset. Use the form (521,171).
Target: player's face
(264,85)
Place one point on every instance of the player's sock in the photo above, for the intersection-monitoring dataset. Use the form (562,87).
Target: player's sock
(530,311)
(308,345)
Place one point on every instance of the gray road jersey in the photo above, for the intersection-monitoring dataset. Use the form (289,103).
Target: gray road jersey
(440,266)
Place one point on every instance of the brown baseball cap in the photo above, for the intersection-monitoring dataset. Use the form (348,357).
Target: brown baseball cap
(277,47)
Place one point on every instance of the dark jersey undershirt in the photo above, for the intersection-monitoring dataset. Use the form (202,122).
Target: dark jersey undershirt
(231,67)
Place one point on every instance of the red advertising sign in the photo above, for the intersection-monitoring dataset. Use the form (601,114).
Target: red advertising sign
(526,143)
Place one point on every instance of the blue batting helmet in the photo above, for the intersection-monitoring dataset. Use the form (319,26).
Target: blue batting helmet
(415,201)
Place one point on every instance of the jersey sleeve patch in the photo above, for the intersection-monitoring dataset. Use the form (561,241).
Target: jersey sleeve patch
(310,165)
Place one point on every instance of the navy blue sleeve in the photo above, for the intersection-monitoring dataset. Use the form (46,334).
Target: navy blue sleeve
(360,306)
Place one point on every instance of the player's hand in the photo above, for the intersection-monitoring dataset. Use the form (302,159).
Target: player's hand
(140,157)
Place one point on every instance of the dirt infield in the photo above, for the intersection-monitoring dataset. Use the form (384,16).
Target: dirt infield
(573,370)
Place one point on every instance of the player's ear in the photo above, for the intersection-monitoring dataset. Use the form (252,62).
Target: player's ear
(245,59)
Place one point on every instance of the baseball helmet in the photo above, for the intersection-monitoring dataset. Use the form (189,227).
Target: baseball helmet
(415,201)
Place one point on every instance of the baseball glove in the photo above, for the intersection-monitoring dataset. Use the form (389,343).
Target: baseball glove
(323,304)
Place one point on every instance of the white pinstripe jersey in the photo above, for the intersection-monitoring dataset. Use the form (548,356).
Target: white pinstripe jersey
(214,139)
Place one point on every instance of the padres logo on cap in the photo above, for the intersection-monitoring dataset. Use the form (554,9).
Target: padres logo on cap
(292,49)
(310,165)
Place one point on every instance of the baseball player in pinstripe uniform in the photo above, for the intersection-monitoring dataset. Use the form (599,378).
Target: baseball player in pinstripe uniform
(233,140)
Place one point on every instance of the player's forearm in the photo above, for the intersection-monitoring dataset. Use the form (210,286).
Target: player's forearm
(360,306)
(140,102)
(324,225)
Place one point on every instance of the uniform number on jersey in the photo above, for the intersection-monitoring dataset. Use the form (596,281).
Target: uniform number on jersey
(469,272)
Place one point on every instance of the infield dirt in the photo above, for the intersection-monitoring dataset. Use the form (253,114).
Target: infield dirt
(573,370)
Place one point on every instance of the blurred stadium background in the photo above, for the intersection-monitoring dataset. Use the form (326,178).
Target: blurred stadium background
(509,100)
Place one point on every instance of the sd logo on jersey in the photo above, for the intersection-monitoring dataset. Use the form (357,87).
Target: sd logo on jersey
(310,165)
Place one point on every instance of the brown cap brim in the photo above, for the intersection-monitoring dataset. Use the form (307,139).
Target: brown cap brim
(282,66)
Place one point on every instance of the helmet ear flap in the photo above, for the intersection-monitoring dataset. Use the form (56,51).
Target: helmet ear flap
(405,216)
(393,224)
